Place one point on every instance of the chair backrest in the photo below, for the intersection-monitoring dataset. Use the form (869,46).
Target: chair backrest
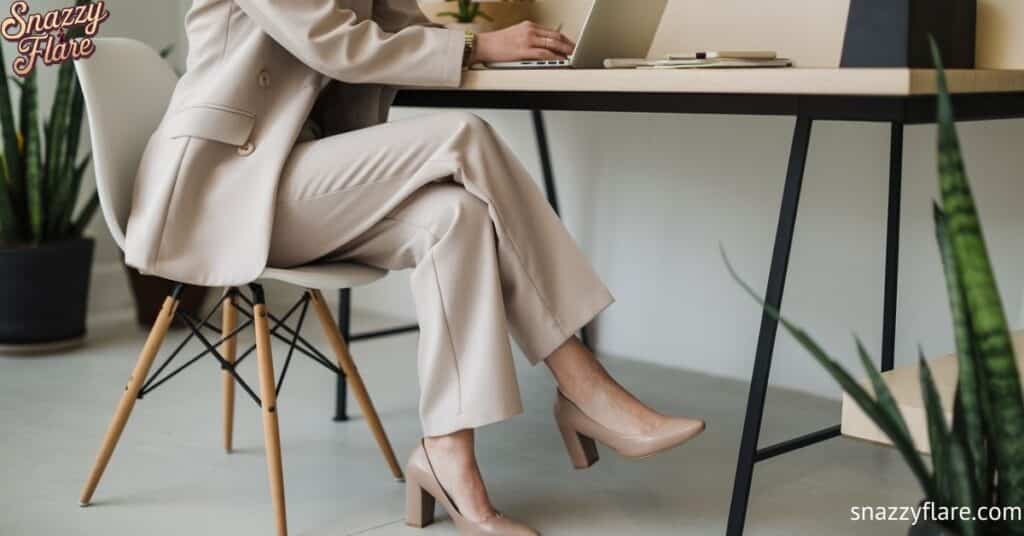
(127,88)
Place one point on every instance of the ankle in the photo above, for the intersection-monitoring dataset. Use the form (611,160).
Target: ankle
(576,371)
(457,447)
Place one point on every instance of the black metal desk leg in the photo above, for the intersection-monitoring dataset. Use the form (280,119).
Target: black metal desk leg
(344,325)
(892,247)
(549,181)
(769,327)
(545,160)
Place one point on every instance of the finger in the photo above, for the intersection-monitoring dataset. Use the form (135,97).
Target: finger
(542,54)
(544,32)
(552,44)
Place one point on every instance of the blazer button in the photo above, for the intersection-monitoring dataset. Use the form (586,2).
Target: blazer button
(264,80)
(247,149)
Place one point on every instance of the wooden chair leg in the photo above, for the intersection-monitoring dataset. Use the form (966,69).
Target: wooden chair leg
(355,381)
(268,398)
(130,395)
(229,321)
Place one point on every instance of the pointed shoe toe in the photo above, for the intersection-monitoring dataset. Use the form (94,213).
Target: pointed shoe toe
(579,432)
(501,526)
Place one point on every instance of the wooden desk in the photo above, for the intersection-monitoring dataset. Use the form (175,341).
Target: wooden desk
(896,96)
(877,82)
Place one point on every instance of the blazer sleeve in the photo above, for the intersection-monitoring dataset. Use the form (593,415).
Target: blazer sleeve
(331,40)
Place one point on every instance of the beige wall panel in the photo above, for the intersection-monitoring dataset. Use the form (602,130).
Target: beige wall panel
(811,33)
(1000,34)
(567,13)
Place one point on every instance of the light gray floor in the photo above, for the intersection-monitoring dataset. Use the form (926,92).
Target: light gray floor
(170,476)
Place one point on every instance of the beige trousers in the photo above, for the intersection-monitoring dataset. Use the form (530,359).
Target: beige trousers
(443,195)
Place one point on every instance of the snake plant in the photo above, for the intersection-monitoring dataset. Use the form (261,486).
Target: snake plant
(42,175)
(978,461)
(468,12)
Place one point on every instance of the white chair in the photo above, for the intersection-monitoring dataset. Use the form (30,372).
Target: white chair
(127,88)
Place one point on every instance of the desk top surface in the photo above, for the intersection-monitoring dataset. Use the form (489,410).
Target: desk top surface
(895,82)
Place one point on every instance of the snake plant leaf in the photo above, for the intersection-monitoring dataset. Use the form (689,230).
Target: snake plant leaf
(66,199)
(859,395)
(986,314)
(85,215)
(62,144)
(34,180)
(476,12)
(57,135)
(938,435)
(8,218)
(962,486)
(68,180)
(886,402)
(12,152)
(74,230)
(954,479)
(18,188)
(970,408)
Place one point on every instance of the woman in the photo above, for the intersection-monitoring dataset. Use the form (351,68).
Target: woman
(273,153)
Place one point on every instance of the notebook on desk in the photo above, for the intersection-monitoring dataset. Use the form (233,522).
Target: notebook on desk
(703,60)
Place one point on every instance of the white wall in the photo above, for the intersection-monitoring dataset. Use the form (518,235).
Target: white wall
(651,197)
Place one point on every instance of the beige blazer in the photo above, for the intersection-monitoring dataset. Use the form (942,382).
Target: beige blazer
(203,205)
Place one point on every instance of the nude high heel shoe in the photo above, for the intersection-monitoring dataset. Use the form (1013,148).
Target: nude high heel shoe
(423,490)
(579,432)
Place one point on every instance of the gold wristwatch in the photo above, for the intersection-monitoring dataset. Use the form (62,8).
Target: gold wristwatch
(467,51)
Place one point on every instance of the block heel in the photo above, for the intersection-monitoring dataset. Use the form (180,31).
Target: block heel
(423,490)
(419,506)
(582,450)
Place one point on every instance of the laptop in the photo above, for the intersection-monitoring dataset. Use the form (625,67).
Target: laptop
(613,29)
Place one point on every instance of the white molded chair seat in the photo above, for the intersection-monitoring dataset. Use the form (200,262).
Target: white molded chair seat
(326,276)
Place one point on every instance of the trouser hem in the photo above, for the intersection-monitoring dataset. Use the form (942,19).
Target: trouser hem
(570,324)
(468,422)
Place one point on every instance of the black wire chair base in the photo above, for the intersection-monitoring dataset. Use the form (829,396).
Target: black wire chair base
(244,305)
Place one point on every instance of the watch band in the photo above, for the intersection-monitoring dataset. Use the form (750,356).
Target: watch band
(467,51)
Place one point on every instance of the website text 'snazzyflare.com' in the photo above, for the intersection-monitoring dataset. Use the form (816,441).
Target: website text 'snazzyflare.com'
(929,511)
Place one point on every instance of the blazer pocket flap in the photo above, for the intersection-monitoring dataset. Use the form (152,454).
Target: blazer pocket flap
(212,122)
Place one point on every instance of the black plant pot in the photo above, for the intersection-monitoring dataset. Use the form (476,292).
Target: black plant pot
(44,293)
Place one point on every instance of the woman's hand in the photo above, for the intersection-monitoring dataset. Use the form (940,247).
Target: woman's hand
(524,41)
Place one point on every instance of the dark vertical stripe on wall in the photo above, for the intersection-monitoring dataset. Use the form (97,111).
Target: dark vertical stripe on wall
(894,33)
(876,34)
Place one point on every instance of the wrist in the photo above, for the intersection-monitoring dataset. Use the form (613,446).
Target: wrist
(480,49)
